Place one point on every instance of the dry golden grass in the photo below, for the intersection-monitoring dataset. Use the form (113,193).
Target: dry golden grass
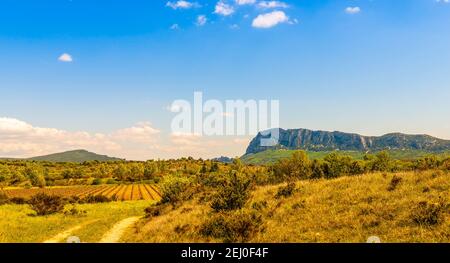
(347,209)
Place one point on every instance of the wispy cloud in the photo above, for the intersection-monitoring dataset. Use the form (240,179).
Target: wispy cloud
(182,4)
(352,10)
(201,20)
(245,2)
(272,4)
(65,58)
(269,20)
(224,9)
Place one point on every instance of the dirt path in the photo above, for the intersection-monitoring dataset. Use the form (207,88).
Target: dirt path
(63,235)
(115,233)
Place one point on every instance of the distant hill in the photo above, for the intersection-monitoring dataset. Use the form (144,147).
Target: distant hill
(330,141)
(77,156)
(223,159)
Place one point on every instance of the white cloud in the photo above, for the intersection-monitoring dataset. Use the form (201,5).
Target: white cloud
(139,142)
(175,27)
(245,2)
(443,1)
(21,139)
(201,20)
(142,132)
(352,10)
(65,58)
(269,20)
(272,4)
(223,8)
(182,4)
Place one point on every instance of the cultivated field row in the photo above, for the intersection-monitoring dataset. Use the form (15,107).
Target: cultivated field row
(121,192)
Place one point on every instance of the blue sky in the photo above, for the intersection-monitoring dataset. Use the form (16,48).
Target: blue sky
(365,66)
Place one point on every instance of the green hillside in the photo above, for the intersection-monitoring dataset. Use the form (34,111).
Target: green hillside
(77,156)
(271,156)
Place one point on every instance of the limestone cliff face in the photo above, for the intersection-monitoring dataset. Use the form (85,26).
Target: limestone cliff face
(328,141)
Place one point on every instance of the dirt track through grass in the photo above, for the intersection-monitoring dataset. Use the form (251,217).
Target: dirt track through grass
(114,235)
(63,235)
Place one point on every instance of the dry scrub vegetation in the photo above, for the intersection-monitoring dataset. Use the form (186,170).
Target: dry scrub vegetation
(397,207)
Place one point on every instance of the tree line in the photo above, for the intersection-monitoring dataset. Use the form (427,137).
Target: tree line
(42,174)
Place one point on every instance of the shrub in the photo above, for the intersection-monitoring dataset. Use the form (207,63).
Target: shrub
(35,174)
(44,204)
(233,194)
(237,226)
(153,211)
(259,205)
(73,199)
(286,191)
(93,199)
(395,181)
(426,163)
(97,181)
(357,167)
(317,169)
(382,162)
(446,164)
(175,189)
(182,229)
(3,198)
(429,214)
(337,165)
(74,211)
(18,200)
(111,181)
(296,167)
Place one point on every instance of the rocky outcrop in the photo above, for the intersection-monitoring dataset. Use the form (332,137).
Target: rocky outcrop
(329,141)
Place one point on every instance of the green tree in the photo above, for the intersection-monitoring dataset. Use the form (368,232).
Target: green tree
(233,193)
(136,172)
(337,165)
(150,170)
(382,162)
(317,169)
(297,167)
(35,175)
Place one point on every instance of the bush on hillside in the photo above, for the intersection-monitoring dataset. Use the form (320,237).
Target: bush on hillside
(175,189)
(426,163)
(232,194)
(446,164)
(154,210)
(317,169)
(395,181)
(286,191)
(337,165)
(296,167)
(233,227)
(382,162)
(429,214)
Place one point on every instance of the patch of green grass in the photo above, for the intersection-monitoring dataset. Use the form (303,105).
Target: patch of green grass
(272,156)
(18,225)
